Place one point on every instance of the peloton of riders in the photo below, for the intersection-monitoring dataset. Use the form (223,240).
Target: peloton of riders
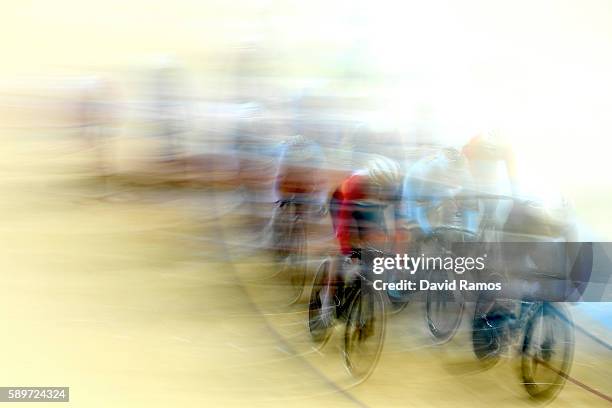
(421,196)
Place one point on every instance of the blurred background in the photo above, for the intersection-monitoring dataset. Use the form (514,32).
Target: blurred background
(140,146)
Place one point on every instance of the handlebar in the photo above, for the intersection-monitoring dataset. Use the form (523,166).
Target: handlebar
(319,209)
(441,230)
(369,252)
(473,195)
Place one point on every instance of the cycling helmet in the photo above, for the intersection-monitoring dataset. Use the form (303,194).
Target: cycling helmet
(297,141)
(301,150)
(489,144)
(454,158)
(384,173)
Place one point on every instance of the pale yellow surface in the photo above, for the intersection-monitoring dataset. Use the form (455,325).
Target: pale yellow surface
(133,298)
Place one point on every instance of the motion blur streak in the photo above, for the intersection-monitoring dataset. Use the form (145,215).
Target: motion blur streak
(175,173)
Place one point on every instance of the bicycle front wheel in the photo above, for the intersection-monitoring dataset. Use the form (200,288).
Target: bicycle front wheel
(548,349)
(295,265)
(443,308)
(364,334)
(322,306)
(397,300)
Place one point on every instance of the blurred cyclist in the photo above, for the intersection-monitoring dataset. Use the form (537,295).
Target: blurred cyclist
(430,191)
(170,107)
(493,164)
(493,167)
(299,181)
(97,118)
(484,153)
(299,175)
(357,209)
(358,205)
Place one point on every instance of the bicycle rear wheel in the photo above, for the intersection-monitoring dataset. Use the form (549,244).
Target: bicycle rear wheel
(547,352)
(364,334)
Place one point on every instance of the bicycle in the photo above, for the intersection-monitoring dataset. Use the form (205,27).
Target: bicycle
(444,308)
(541,334)
(355,301)
(289,244)
(397,300)
(540,331)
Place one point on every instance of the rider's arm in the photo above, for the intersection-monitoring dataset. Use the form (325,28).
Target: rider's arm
(470,213)
(402,235)
(413,207)
(510,160)
(281,172)
(470,220)
(420,198)
(351,191)
(321,182)
(343,232)
(421,216)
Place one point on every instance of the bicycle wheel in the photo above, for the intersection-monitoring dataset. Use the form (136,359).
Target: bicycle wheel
(547,352)
(295,264)
(281,231)
(443,308)
(320,318)
(396,307)
(364,334)
(397,299)
(490,329)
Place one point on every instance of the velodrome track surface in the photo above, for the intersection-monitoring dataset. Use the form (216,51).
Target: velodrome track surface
(157,297)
